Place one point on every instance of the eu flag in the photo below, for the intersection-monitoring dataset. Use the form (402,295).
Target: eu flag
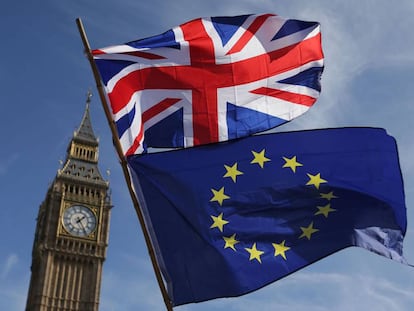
(229,218)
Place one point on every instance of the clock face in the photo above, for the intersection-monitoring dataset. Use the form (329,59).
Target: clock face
(79,220)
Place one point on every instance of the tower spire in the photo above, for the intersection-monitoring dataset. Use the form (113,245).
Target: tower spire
(85,131)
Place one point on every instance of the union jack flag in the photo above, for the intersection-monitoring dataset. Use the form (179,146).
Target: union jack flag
(211,79)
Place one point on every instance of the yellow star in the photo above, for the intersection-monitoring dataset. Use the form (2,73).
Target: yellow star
(325,210)
(254,253)
(219,196)
(232,172)
(259,158)
(218,222)
(315,180)
(329,196)
(291,163)
(280,249)
(230,242)
(308,231)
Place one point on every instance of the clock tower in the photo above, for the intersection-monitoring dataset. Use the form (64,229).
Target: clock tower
(72,231)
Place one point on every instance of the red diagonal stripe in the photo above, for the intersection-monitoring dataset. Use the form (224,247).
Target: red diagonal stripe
(144,55)
(134,53)
(97,52)
(136,142)
(156,109)
(249,33)
(296,98)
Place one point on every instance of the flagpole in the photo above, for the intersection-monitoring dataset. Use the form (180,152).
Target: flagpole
(127,176)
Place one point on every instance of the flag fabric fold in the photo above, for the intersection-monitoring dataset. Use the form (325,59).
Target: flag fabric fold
(226,219)
(211,80)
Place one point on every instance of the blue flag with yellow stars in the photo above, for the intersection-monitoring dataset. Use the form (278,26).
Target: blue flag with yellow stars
(226,219)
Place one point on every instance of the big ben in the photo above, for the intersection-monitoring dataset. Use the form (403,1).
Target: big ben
(72,230)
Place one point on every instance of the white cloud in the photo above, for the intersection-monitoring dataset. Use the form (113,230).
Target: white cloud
(11,261)
(13,285)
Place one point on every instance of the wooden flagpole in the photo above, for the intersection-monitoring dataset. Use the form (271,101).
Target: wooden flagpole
(127,176)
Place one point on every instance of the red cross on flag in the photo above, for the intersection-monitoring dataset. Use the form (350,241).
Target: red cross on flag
(211,79)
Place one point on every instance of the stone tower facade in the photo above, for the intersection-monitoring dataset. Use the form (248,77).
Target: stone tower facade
(72,231)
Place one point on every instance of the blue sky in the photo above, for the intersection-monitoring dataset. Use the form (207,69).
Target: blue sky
(44,78)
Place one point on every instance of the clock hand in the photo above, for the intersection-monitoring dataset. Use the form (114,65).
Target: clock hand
(79,219)
(81,224)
